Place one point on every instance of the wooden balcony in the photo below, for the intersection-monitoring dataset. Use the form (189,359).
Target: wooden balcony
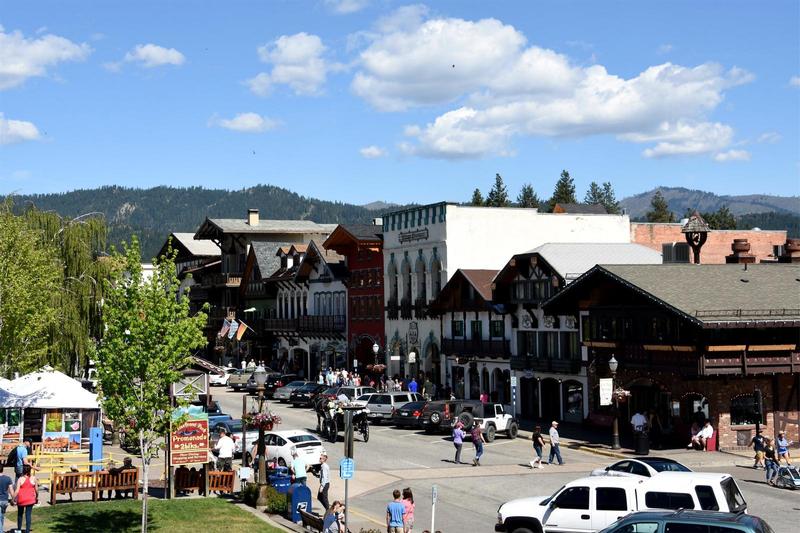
(405,309)
(748,363)
(326,324)
(392,310)
(496,348)
(231,279)
(541,364)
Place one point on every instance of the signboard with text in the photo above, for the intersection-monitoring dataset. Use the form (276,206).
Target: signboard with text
(606,391)
(188,442)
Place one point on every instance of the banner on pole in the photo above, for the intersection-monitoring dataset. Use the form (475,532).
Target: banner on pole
(606,391)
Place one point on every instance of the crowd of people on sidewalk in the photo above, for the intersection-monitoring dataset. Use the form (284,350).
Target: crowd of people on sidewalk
(769,454)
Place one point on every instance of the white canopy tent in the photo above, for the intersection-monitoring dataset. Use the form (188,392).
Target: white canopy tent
(48,390)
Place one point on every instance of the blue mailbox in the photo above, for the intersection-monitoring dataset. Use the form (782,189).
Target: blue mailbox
(95,448)
(299,498)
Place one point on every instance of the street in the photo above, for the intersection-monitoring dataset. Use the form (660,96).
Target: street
(468,497)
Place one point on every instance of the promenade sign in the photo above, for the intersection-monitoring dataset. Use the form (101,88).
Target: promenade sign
(188,442)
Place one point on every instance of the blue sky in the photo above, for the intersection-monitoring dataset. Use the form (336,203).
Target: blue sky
(361,100)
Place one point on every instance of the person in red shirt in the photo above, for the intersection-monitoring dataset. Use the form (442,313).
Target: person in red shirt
(27,494)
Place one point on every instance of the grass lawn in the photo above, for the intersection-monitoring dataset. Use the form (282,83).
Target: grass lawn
(122,516)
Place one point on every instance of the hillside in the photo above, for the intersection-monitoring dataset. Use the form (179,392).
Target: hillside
(153,213)
(681,199)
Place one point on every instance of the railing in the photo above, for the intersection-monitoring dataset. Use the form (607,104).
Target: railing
(322,324)
(748,364)
(405,309)
(477,347)
(392,310)
(256,288)
(279,324)
(231,279)
(420,308)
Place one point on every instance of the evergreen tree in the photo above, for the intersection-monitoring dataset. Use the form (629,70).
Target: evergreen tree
(610,199)
(498,195)
(594,195)
(527,197)
(660,210)
(477,198)
(149,336)
(564,192)
(722,218)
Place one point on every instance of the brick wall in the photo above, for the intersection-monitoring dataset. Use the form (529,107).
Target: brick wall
(718,245)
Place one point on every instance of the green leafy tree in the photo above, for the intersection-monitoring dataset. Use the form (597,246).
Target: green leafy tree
(722,218)
(610,199)
(498,195)
(29,281)
(659,210)
(149,336)
(477,198)
(564,192)
(527,197)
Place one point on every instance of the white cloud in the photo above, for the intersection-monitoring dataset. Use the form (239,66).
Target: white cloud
(17,131)
(22,58)
(769,137)
(732,155)
(297,61)
(151,55)
(246,123)
(665,48)
(505,88)
(794,81)
(372,152)
(344,7)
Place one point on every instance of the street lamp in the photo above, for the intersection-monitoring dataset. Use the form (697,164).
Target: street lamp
(260,376)
(613,364)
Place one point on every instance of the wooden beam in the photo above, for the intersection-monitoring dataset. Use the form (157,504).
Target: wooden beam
(601,344)
(727,348)
(770,347)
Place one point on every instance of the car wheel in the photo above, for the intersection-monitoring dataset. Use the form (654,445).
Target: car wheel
(467,420)
(436,419)
(490,433)
(513,430)
(522,530)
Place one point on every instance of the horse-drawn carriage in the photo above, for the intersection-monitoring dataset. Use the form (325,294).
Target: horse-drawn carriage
(331,416)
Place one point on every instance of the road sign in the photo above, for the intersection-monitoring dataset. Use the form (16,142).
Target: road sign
(347,467)
(435,493)
(513,381)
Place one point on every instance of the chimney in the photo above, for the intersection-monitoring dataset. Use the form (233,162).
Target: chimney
(741,252)
(252,217)
(791,252)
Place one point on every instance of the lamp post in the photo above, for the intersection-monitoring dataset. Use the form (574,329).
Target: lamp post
(613,364)
(261,377)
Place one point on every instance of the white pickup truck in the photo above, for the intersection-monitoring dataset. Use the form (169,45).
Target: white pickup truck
(593,503)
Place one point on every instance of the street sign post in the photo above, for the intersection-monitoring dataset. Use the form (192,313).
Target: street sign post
(514,395)
(434,498)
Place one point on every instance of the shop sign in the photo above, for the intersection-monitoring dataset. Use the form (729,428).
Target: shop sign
(188,442)
(606,390)
(413,235)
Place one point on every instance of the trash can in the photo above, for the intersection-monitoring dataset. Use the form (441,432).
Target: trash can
(641,443)
(298,498)
(281,480)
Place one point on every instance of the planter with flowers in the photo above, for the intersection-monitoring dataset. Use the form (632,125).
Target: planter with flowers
(265,421)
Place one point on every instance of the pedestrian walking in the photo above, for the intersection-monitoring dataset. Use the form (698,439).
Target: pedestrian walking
(412,386)
(758,448)
(22,452)
(408,515)
(324,480)
(458,441)
(225,446)
(27,494)
(394,514)
(783,448)
(538,446)
(771,461)
(477,441)
(555,440)
(6,495)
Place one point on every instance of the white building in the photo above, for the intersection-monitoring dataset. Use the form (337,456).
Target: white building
(423,246)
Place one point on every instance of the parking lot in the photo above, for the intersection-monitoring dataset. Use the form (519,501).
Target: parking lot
(468,497)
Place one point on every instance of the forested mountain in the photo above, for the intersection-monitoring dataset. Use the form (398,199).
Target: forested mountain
(681,199)
(154,213)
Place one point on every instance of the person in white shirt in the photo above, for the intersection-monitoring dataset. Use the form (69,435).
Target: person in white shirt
(638,422)
(700,440)
(555,441)
(324,480)
(225,446)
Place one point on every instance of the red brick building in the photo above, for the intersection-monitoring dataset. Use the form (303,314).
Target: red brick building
(691,337)
(362,247)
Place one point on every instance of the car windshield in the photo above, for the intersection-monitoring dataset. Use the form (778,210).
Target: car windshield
(366,390)
(364,397)
(667,466)
(303,438)
(733,496)
(296,384)
(411,406)
(307,387)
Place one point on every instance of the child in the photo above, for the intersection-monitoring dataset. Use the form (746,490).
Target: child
(408,516)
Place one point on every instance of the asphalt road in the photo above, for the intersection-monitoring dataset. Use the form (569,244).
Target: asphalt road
(468,497)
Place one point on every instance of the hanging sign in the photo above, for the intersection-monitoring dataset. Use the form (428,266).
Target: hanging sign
(606,390)
(188,443)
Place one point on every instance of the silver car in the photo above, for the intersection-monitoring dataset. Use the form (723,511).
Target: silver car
(283,393)
(382,404)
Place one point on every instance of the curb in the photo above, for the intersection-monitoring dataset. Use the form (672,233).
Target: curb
(576,445)
(261,515)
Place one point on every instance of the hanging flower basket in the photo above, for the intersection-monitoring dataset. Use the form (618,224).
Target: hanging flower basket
(621,395)
(265,421)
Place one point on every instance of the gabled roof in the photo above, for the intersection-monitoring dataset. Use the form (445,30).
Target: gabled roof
(267,260)
(196,247)
(580,209)
(451,296)
(709,295)
(570,260)
(329,259)
(481,281)
(359,234)
(214,227)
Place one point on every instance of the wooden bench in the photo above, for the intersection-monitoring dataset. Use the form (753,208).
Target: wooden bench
(220,482)
(123,480)
(311,522)
(72,482)
(189,480)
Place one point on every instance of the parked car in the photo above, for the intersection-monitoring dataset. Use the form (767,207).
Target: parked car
(641,466)
(353,392)
(362,400)
(381,404)
(235,428)
(690,521)
(409,414)
(282,394)
(493,419)
(220,379)
(593,503)
(304,396)
(238,379)
(442,414)
(279,445)
(212,408)
(275,380)
(214,420)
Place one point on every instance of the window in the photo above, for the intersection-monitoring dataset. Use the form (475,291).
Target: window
(622,466)
(639,470)
(548,344)
(497,328)
(457,328)
(733,496)
(611,499)
(668,500)
(678,527)
(743,410)
(569,345)
(638,527)
(573,498)
(476,330)
(705,495)
(526,343)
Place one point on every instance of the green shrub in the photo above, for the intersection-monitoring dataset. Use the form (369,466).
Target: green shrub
(276,502)
(250,494)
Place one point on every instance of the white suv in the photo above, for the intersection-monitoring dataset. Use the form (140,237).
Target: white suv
(593,503)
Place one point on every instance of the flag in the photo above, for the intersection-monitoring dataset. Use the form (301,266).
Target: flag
(225,327)
(240,332)
(234,327)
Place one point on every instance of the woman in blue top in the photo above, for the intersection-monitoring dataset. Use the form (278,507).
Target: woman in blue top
(458,441)
(783,448)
